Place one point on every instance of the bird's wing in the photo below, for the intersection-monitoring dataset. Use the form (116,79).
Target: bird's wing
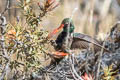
(82,41)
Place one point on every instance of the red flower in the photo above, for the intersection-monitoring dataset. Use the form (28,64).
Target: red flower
(50,1)
(87,77)
(51,4)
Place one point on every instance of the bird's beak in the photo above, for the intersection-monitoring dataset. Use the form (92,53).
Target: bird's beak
(55,31)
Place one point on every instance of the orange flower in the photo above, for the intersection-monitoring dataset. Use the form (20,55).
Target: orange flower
(11,32)
(11,35)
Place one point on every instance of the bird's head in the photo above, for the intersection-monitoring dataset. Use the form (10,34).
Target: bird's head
(67,26)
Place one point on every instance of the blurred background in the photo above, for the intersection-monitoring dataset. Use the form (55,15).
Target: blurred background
(93,17)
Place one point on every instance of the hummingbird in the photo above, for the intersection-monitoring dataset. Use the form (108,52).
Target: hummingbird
(68,40)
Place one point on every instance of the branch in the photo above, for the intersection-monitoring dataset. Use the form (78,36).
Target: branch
(2,43)
(7,7)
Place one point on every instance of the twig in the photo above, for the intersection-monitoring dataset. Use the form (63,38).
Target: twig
(73,69)
(99,60)
(3,29)
(99,63)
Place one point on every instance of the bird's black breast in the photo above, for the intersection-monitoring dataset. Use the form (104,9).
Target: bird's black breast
(60,40)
